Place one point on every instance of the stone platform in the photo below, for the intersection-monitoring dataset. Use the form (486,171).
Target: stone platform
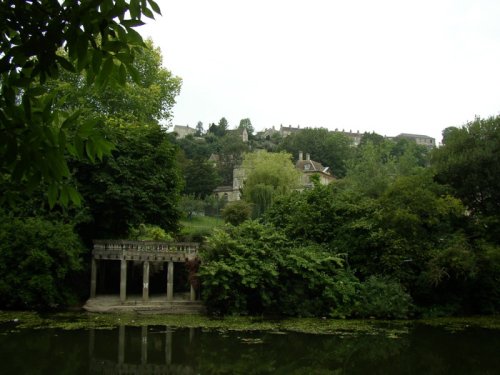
(155,305)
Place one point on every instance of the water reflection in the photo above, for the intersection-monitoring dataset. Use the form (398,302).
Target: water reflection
(164,350)
(144,350)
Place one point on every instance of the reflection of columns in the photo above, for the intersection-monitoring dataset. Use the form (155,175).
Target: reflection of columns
(121,345)
(123,281)
(170,281)
(168,347)
(191,334)
(145,281)
(91,342)
(144,345)
(192,294)
(93,277)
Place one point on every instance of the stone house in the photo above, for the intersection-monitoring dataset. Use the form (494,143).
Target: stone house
(309,168)
(423,140)
(183,131)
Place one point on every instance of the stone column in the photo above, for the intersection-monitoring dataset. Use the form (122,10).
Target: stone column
(192,294)
(170,281)
(123,281)
(145,281)
(93,277)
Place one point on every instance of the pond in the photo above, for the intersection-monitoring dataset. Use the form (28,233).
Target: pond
(158,349)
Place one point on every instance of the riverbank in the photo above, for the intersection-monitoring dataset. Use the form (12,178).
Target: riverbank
(82,320)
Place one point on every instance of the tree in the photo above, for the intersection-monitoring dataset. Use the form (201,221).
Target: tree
(98,39)
(199,129)
(39,263)
(268,175)
(237,212)
(220,129)
(469,161)
(331,149)
(201,178)
(246,124)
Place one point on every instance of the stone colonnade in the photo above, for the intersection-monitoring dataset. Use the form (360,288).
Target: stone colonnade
(146,252)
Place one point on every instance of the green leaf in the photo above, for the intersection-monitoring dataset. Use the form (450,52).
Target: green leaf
(122,75)
(107,69)
(52,194)
(135,9)
(155,6)
(74,196)
(147,12)
(132,23)
(134,73)
(65,64)
(134,37)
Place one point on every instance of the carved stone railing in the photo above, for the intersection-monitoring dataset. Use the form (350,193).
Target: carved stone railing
(145,250)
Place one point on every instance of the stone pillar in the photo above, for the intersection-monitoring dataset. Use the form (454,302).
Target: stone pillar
(192,294)
(170,281)
(145,281)
(121,345)
(144,345)
(93,277)
(123,281)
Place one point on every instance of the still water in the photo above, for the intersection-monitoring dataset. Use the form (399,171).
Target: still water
(162,350)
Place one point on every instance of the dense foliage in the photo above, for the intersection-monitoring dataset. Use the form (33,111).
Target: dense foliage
(407,240)
(256,269)
(39,40)
(40,261)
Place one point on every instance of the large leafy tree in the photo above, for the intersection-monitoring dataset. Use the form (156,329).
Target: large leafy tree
(38,40)
(138,183)
(331,149)
(469,161)
(268,175)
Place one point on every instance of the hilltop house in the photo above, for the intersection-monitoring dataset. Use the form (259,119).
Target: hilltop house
(306,166)
(423,140)
(309,168)
(183,131)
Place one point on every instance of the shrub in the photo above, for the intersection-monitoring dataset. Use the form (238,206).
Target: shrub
(37,260)
(383,298)
(237,212)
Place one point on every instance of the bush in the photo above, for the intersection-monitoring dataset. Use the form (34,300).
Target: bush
(146,232)
(256,269)
(237,212)
(383,298)
(37,260)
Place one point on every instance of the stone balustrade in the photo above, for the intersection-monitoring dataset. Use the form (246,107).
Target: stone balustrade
(145,250)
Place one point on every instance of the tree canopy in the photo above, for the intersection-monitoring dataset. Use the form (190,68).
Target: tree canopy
(268,175)
(40,39)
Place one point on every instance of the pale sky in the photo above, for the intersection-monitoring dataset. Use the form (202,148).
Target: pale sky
(389,66)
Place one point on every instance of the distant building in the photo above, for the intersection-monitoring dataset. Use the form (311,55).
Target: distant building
(183,131)
(243,133)
(355,137)
(285,131)
(309,168)
(232,193)
(423,140)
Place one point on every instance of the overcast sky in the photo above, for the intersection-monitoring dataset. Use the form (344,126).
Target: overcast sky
(389,66)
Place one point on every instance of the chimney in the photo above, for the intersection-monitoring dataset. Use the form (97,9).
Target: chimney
(308,156)
(301,156)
